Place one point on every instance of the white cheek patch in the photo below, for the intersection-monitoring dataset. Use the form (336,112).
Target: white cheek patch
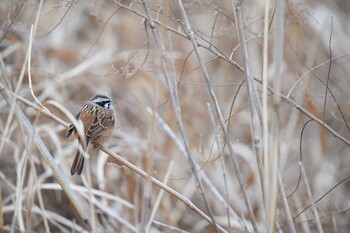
(108,105)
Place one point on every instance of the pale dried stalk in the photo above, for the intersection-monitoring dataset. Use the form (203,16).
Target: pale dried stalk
(159,197)
(222,163)
(91,198)
(271,154)
(206,44)
(285,205)
(46,156)
(1,212)
(159,184)
(203,175)
(314,118)
(218,112)
(265,131)
(254,103)
(108,210)
(21,167)
(313,69)
(18,86)
(311,198)
(308,114)
(32,33)
(170,228)
(274,178)
(53,217)
(95,192)
(177,111)
(33,184)
(126,163)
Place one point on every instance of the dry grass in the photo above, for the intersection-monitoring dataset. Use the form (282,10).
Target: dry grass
(226,134)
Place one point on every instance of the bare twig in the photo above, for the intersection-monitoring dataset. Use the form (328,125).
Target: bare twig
(310,115)
(177,110)
(223,166)
(326,86)
(203,175)
(329,70)
(54,219)
(159,198)
(46,156)
(254,102)
(1,211)
(206,45)
(61,19)
(346,179)
(314,118)
(29,65)
(313,207)
(159,184)
(310,70)
(285,205)
(273,177)
(121,160)
(170,228)
(265,179)
(218,112)
(102,30)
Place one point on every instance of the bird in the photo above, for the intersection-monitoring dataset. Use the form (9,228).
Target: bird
(99,123)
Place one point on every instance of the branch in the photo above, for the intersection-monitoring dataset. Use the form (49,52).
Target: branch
(61,178)
(219,113)
(46,156)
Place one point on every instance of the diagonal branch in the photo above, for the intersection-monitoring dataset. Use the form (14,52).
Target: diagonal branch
(46,156)
(176,107)
(219,113)
(53,165)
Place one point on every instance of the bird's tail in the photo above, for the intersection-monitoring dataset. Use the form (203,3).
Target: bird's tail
(78,163)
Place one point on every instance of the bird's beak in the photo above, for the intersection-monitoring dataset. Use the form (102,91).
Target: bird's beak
(113,102)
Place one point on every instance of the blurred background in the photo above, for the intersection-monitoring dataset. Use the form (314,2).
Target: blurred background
(82,48)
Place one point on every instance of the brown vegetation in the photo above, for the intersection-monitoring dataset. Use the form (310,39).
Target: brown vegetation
(188,120)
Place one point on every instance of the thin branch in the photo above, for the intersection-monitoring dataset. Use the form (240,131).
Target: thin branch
(268,187)
(170,228)
(222,163)
(203,175)
(313,69)
(102,30)
(217,9)
(219,113)
(176,108)
(346,179)
(254,102)
(313,207)
(121,160)
(159,197)
(314,118)
(329,69)
(61,19)
(310,115)
(29,66)
(328,89)
(46,156)
(207,46)
(159,184)
(285,205)
(300,156)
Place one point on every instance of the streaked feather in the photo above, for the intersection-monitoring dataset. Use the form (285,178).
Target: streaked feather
(97,120)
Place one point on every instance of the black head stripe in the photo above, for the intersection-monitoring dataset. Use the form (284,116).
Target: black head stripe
(102,101)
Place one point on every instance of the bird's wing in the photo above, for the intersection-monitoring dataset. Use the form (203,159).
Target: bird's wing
(103,120)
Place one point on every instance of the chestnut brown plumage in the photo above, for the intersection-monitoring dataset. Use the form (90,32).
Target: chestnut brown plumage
(99,122)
